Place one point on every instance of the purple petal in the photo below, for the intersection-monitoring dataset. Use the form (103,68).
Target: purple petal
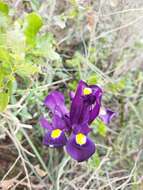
(54,142)
(58,122)
(55,101)
(95,93)
(67,122)
(106,115)
(96,107)
(78,109)
(80,152)
(82,128)
(44,123)
(86,103)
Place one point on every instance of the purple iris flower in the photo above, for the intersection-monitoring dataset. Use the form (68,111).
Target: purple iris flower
(85,107)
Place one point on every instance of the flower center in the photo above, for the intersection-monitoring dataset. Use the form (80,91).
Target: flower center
(80,139)
(102,111)
(87,91)
(56,133)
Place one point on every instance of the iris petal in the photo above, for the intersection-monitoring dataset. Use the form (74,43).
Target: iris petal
(95,108)
(44,123)
(82,128)
(55,101)
(92,97)
(106,115)
(58,122)
(80,152)
(85,103)
(59,141)
(79,108)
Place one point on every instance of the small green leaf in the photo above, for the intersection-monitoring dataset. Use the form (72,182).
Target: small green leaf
(72,85)
(76,60)
(94,161)
(19,135)
(45,46)
(117,86)
(100,127)
(4,55)
(26,69)
(73,2)
(33,23)
(73,13)
(4,99)
(92,79)
(4,9)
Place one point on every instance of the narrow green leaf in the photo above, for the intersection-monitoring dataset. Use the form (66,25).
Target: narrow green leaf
(102,129)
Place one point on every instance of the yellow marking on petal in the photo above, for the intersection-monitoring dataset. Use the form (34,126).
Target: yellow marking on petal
(56,133)
(87,91)
(80,139)
(102,111)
